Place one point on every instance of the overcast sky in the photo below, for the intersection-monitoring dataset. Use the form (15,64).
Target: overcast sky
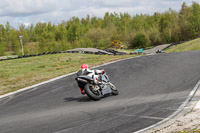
(33,11)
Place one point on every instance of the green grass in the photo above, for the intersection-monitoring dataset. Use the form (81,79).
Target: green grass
(20,73)
(187,46)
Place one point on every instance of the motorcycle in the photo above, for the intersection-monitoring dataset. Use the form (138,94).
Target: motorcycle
(95,84)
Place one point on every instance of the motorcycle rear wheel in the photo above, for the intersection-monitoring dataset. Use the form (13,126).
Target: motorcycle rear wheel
(94,95)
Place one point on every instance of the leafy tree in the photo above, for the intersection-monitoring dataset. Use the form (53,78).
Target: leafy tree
(2,33)
(184,22)
(195,20)
(139,41)
(74,29)
(154,36)
(8,26)
(2,48)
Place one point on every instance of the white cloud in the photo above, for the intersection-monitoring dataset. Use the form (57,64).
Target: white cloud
(117,3)
(26,24)
(26,7)
(33,11)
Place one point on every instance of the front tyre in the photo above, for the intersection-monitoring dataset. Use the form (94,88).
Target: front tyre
(114,89)
(91,93)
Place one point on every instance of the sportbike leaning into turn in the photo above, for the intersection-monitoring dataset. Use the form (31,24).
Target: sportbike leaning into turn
(94,83)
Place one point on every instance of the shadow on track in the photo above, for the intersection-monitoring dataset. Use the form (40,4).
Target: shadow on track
(82,99)
(78,99)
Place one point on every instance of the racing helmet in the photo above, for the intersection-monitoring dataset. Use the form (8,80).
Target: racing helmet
(84,66)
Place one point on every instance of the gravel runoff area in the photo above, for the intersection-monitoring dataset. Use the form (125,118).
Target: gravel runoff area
(155,49)
(93,50)
(149,51)
(187,121)
(11,56)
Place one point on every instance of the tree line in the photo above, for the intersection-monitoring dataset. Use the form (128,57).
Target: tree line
(138,31)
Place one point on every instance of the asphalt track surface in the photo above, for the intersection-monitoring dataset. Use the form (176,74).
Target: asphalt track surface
(151,89)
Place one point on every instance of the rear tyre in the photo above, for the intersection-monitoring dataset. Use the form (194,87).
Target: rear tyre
(114,89)
(91,93)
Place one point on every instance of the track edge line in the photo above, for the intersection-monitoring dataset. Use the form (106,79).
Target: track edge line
(189,98)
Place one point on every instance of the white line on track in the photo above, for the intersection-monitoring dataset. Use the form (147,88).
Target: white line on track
(189,98)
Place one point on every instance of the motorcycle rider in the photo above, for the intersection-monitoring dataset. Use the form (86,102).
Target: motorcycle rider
(95,74)
(92,73)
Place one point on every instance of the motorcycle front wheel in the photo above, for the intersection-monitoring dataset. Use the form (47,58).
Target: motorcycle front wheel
(91,93)
(114,89)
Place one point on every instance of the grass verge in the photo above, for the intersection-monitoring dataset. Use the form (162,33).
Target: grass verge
(187,46)
(20,73)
